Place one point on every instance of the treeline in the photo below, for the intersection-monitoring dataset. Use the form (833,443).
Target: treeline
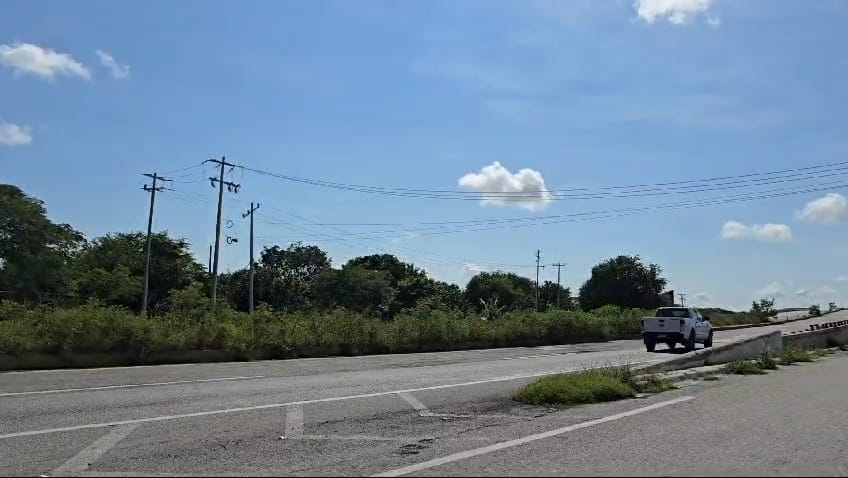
(42,262)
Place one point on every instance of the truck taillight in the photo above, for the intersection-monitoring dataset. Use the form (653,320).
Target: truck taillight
(682,324)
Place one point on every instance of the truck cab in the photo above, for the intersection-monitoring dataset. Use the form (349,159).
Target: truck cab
(676,325)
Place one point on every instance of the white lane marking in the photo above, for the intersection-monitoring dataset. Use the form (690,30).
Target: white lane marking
(294,421)
(413,402)
(82,460)
(286,404)
(521,441)
(134,385)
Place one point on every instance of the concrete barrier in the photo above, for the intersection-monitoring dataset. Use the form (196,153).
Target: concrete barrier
(748,347)
(819,337)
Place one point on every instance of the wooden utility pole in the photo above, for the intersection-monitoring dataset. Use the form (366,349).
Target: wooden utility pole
(234,188)
(558,265)
(250,213)
(152,190)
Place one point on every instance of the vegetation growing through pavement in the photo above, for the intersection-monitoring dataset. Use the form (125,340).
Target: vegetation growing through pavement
(791,355)
(589,386)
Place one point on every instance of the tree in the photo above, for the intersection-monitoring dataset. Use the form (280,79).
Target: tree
(410,283)
(623,281)
(511,291)
(764,309)
(356,288)
(548,296)
(284,277)
(111,268)
(35,253)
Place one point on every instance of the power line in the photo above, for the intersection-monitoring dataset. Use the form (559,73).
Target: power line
(451,227)
(672,187)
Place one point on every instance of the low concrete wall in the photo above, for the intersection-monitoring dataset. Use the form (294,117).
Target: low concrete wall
(748,347)
(820,338)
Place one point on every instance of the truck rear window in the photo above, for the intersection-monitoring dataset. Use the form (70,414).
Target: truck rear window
(682,313)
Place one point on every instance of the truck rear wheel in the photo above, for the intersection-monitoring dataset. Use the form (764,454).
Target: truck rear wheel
(650,345)
(690,344)
(709,342)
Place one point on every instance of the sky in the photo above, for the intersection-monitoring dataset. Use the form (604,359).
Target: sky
(537,97)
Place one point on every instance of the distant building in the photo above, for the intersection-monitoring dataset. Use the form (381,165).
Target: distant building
(666,299)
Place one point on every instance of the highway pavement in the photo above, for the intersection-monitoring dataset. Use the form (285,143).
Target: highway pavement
(337,416)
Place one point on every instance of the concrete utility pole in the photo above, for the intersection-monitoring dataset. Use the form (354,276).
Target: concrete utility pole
(558,265)
(152,190)
(209,267)
(250,213)
(538,258)
(234,188)
(682,298)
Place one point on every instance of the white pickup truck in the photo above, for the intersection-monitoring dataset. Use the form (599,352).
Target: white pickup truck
(673,325)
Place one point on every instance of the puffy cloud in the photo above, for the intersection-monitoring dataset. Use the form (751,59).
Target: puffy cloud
(14,135)
(774,290)
(678,12)
(803,292)
(833,207)
(26,58)
(760,232)
(499,186)
(118,71)
(842,279)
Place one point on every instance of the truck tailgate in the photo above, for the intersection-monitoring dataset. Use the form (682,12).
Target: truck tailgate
(662,324)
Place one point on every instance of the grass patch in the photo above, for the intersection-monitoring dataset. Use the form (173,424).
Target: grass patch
(766,361)
(590,386)
(744,367)
(792,355)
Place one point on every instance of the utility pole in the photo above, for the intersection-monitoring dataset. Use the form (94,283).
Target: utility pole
(209,267)
(538,258)
(682,298)
(232,187)
(152,190)
(250,213)
(558,265)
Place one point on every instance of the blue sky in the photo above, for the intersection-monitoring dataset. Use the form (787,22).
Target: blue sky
(586,94)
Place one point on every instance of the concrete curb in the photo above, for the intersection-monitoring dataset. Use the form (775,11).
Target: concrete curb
(821,336)
(745,348)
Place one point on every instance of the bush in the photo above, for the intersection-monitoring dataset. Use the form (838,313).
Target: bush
(190,323)
(792,355)
(744,367)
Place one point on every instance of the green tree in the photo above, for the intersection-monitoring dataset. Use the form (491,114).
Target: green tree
(285,277)
(410,283)
(511,291)
(623,281)
(548,296)
(356,288)
(111,269)
(35,253)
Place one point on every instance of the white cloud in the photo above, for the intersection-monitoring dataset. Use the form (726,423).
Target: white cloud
(14,135)
(26,58)
(678,12)
(525,188)
(472,269)
(118,71)
(842,279)
(760,232)
(773,290)
(833,207)
(803,292)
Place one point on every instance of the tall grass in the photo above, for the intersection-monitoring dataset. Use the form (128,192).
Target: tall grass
(96,328)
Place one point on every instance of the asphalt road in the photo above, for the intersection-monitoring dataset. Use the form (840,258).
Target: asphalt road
(340,416)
